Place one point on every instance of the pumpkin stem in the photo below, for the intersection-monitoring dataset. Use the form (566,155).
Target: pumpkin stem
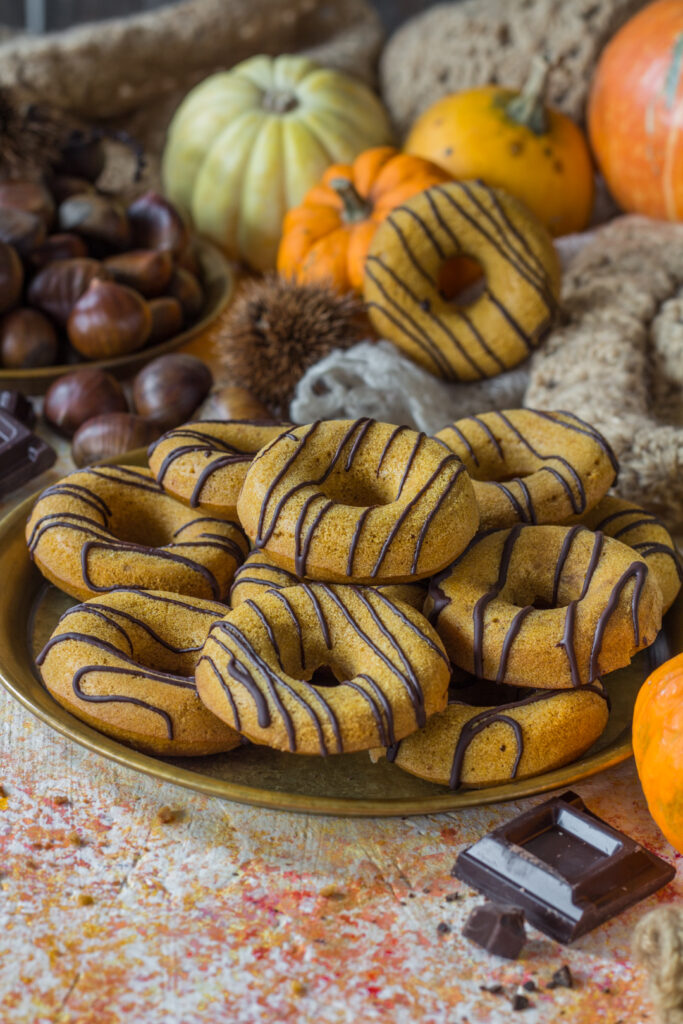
(355,208)
(528,107)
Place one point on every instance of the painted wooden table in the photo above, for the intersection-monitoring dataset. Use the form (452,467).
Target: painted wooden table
(110,912)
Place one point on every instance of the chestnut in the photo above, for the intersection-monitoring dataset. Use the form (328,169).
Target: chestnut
(234,403)
(30,196)
(81,395)
(147,271)
(56,288)
(27,339)
(102,221)
(112,434)
(156,224)
(185,287)
(167,318)
(108,320)
(58,247)
(11,277)
(83,156)
(64,186)
(169,389)
(22,229)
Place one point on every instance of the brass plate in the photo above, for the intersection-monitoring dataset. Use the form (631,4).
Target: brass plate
(218,282)
(347,784)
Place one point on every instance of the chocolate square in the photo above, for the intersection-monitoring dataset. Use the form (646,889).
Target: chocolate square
(568,870)
(23,455)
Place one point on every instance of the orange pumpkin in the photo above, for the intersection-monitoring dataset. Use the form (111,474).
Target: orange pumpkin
(511,140)
(635,112)
(327,237)
(658,747)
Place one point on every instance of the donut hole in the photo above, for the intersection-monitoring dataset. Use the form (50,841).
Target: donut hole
(359,490)
(535,590)
(150,525)
(461,280)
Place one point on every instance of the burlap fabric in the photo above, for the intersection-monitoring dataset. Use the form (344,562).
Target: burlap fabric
(131,73)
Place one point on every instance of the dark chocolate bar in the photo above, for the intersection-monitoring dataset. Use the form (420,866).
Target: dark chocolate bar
(23,455)
(19,406)
(568,870)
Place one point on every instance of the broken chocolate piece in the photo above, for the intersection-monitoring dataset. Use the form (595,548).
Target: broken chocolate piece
(23,455)
(568,870)
(531,985)
(19,406)
(561,978)
(520,1002)
(500,930)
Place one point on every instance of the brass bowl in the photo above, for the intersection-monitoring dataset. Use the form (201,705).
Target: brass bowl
(346,784)
(218,283)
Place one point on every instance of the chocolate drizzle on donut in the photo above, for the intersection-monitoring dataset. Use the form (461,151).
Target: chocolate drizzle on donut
(303,536)
(100,538)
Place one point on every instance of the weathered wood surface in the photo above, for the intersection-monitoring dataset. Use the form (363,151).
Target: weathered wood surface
(234,914)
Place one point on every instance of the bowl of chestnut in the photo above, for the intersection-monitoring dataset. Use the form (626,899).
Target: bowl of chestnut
(86,280)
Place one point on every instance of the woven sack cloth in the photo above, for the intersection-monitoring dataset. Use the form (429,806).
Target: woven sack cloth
(461,45)
(131,73)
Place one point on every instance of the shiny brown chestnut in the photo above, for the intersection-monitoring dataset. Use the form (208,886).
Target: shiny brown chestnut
(79,396)
(11,277)
(27,339)
(56,288)
(145,270)
(83,156)
(64,186)
(167,318)
(185,287)
(21,229)
(156,224)
(102,221)
(58,247)
(108,320)
(169,389)
(29,196)
(112,434)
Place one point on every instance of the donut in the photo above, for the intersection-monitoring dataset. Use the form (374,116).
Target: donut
(646,534)
(256,670)
(259,573)
(517,305)
(358,501)
(204,464)
(531,732)
(113,526)
(545,606)
(124,663)
(517,471)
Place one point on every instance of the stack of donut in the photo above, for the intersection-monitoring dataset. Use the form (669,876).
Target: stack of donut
(450,601)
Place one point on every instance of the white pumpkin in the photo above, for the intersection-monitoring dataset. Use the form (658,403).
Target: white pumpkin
(247,144)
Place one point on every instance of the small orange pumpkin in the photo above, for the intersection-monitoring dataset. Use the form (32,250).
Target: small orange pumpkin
(658,747)
(512,140)
(327,237)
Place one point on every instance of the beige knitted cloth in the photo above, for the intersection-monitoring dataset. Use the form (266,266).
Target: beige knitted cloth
(658,944)
(617,360)
(131,73)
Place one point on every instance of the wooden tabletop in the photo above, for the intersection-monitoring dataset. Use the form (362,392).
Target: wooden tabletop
(111,912)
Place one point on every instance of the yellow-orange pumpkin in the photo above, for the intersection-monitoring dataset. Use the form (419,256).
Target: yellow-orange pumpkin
(658,747)
(327,237)
(511,140)
(635,112)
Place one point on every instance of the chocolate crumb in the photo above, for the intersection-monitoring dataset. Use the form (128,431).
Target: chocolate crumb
(562,978)
(166,815)
(519,1002)
(84,899)
(452,896)
(424,305)
(530,986)
(426,889)
(60,800)
(412,895)
(443,928)
(495,989)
